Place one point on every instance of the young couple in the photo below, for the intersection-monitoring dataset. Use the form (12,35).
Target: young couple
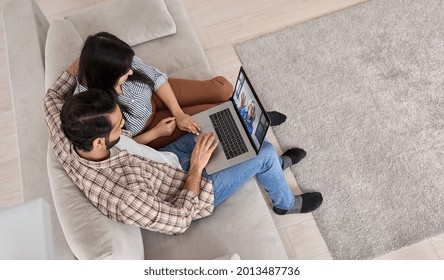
(126,139)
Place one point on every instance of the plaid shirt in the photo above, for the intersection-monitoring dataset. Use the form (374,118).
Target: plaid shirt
(127,188)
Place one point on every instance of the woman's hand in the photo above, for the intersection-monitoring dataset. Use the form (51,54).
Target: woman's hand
(186,123)
(165,127)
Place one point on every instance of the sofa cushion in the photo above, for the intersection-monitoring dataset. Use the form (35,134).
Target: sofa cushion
(240,224)
(89,233)
(181,55)
(133,21)
(63,45)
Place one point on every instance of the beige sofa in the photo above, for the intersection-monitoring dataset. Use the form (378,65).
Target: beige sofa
(37,53)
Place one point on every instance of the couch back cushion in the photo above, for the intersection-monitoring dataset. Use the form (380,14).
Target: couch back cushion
(180,55)
(133,21)
(63,46)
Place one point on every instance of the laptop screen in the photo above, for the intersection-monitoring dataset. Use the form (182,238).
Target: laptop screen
(250,109)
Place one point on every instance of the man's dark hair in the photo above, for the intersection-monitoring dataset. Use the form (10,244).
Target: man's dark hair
(104,59)
(85,117)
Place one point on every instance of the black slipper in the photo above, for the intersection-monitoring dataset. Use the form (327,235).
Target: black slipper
(276,118)
(304,203)
(295,155)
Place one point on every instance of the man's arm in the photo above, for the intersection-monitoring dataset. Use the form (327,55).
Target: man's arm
(152,213)
(55,98)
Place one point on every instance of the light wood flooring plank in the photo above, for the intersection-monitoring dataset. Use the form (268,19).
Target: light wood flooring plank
(438,244)
(307,240)
(189,5)
(220,12)
(5,92)
(272,18)
(420,251)
(10,186)
(8,141)
(287,244)
(2,37)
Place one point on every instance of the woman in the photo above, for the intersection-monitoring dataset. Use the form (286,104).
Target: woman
(157,109)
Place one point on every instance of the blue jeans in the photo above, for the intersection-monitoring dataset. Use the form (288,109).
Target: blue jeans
(266,166)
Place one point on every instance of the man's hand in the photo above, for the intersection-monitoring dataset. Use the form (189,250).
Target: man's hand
(186,123)
(204,148)
(165,127)
(73,69)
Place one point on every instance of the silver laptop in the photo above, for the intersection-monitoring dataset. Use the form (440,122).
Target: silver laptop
(240,125)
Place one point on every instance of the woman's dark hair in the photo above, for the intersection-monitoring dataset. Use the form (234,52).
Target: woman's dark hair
(85,117)
(104,59)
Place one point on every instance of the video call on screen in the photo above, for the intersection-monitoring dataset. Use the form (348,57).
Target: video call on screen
(258,122)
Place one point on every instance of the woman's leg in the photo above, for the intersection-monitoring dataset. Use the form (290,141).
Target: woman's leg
(266,166)
(195,92)
(194,97)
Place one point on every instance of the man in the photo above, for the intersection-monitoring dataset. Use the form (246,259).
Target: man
(157,190)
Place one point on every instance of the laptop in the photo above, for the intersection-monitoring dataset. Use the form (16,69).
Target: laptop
(240,125)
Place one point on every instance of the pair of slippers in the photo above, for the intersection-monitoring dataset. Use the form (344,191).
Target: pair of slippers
(306,202)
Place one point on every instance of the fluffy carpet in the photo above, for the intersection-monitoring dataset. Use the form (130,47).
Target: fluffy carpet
(363,89)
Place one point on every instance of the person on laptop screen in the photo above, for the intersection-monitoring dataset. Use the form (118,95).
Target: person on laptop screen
(161,191)
(251,111)
(247,111)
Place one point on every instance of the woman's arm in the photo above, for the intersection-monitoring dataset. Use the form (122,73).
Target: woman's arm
(164,128)
(184,121)
(166,94)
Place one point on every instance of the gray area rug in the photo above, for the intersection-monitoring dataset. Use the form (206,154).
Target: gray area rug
(363,89)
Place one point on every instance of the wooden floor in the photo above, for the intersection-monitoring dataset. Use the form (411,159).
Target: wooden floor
(219,24)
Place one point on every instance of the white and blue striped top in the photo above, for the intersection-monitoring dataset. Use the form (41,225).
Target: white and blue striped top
(136,96)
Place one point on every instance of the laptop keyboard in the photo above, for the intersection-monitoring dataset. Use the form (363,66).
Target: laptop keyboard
(228,134)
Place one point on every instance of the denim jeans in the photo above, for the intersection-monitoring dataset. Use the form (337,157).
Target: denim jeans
(266,166)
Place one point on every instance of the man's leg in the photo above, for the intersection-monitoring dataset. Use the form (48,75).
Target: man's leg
(266,166)
(182,148)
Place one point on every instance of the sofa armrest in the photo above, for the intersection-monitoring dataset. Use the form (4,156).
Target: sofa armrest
(25,34)
(25,30)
